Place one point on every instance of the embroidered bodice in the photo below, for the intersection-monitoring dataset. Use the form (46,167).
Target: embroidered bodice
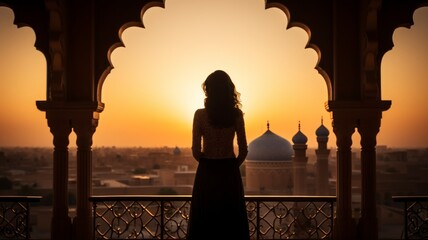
(217,142)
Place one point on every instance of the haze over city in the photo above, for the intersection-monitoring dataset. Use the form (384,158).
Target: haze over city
(155,87)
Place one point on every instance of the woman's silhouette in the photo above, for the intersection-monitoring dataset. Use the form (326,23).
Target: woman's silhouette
(218,206)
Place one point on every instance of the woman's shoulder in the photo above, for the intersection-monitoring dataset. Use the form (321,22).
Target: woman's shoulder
(200,112)
(239,112)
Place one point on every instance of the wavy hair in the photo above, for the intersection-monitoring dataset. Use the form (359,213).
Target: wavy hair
(222,101)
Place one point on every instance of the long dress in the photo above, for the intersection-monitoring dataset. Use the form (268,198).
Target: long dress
(218,208)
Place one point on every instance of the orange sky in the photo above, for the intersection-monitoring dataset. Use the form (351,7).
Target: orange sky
(155,86)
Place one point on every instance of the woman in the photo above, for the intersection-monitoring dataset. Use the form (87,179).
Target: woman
(218,206)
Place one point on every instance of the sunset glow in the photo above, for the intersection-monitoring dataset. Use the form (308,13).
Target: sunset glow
(155,87)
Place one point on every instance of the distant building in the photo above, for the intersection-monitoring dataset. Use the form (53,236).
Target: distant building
(268,165)
(322,170)
(184,176)
(274,166)
(300,162)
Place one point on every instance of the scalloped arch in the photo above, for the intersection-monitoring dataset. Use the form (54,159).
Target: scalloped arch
(140,23)
(120,44)
(34,15)
(397,18)
(37,21)
(313,46)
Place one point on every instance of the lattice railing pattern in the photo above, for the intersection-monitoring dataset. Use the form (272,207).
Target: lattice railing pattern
(14,217)
(165,217)
(290,220)
(415,216)
(141,219)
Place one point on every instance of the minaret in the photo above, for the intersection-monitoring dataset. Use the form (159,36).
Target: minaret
(322,173)
(300,161)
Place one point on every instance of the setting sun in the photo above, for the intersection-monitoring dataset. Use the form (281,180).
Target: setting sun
(155,86)
(163,76)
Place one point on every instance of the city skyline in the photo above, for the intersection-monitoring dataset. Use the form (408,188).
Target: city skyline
(119,172)
(276,77)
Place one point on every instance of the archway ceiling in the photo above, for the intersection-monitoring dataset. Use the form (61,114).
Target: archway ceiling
(35,14)
(394,14)
(316,17)
(111,17)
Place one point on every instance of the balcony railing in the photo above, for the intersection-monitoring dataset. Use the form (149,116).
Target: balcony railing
(15,216)
(166,217)
(415,216)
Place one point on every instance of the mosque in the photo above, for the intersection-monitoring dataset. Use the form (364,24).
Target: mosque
(276,167)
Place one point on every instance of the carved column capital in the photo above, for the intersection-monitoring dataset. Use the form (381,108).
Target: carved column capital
(60,129)
(84,129)
(368,128)
(343,127)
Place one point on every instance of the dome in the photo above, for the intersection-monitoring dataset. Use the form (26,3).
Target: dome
(322,131)
(270,147)
(299,137)
(176,151)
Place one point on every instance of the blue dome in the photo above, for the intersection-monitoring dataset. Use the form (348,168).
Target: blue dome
(176,151)
(270,147)
(322,131)
(299,138)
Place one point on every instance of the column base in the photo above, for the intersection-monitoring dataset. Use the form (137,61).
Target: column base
(367,228)
(82,228)
(61,228)
(345,229)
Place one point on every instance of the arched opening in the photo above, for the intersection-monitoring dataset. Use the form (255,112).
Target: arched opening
(155,85)
(402,132)
(162,69)
(23,81)
(404,79)
(25,139)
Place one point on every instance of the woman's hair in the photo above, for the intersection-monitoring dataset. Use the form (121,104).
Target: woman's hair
(221,99)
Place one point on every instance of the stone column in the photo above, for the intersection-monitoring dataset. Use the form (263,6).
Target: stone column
(366,117)
(343,127)
(84,129)
(368,129)
(61,222)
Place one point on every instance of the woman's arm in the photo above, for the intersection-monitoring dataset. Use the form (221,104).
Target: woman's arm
(241,138)
(196,136)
